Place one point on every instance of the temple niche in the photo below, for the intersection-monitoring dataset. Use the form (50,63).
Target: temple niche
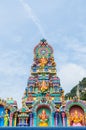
(43,102)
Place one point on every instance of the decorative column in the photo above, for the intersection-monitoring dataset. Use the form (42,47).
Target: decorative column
(15,119)
(63,118)
(31,119)
(35,119)
(56,119)
(52,119)
(68,119)
(85,119)
(27,120)
(11,118)
(19,120)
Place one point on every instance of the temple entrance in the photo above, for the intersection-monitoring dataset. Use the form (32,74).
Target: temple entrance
(43,116)
(76,116)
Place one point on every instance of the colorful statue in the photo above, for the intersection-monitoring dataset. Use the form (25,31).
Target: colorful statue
(43,119)
(43,62)
(6,118)
(76,118)
(44,86)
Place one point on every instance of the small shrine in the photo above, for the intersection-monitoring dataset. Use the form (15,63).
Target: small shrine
(43,103)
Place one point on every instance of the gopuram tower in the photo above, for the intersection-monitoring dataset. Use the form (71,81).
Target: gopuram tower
(43,96)
(43,103)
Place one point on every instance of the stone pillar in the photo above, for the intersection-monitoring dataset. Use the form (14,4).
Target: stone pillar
(31,119)
(52,118)
(35,119)
(68,119)
(27,120)
(63,118)
(19,120)
(15,121)
(11,118)
(85,119)
(56,118)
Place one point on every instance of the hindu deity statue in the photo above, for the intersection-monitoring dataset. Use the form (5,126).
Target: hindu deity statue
(6,118)
(76,118)
(44,87)
(43,119)
(43,62)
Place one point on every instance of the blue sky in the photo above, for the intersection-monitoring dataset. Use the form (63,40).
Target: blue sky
(23,23)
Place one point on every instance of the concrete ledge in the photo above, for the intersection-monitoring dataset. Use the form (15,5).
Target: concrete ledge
(43,128)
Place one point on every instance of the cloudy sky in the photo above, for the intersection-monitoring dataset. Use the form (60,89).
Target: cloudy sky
(23,23)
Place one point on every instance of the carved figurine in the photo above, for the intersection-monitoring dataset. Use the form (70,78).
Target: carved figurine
(44,86)
(43,119)
(76,118)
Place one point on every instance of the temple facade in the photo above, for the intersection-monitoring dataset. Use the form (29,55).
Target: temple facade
(43,103)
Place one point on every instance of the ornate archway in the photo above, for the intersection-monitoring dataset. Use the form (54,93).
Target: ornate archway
(43,114)
(75,111)
(76,116)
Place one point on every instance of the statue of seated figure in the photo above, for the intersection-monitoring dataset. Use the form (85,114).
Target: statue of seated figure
(76,118)
(43,119)
(44,86)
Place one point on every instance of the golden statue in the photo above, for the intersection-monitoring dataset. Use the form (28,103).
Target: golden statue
(76,118)
(43,119)
(43,62)
(44,86)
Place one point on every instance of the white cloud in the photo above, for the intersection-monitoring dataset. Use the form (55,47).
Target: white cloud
(13,76)
(75,45)
(33,16)
(70,75)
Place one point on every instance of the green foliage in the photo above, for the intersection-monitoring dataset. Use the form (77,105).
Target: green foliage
(82,90)
(83,96)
